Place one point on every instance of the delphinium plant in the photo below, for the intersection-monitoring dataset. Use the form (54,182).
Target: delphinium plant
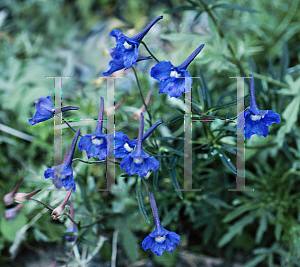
(162,158)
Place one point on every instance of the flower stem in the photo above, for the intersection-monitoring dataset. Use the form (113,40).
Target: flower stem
(154,210)
(66,122)
(100,116)
(93,162)
(142,42)
(141,131)
(141,93)
(51,209)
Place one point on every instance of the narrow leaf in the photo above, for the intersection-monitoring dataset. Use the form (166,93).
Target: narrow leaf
(263,226)
(84,197)
(226,161)
(173,175)
(139,197)
(179,9)
(229,6)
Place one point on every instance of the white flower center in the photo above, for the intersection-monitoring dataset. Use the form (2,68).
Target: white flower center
(138,160)
(97,141)
(127,147)
(160,239)
(127,45)
(174,74)
(255,117)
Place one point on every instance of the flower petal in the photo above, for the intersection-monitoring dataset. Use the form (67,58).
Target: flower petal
(161,70)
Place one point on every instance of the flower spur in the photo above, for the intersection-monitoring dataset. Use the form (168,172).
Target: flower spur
(63,174)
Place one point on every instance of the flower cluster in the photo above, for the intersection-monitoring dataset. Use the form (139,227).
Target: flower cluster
(173,81)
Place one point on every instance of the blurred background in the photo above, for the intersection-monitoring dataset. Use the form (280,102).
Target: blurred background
(217,227)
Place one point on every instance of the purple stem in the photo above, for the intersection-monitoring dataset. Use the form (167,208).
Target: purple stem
(141,130)
(71,209)
(154,210)
(151,129)
(33,193)
(17,187)
(187,62)
(100,117)
(63,204)
(69,158)
(69,108)
(142,34)
(253,105)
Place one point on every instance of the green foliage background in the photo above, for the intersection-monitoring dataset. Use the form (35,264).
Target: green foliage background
(71,38)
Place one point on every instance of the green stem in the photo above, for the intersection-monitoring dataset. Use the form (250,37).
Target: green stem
(270,80)
(149,52)
(66,122)
(51,209)
(93,162)
(141,93)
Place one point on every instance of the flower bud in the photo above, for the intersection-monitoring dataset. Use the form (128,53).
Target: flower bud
(10,214)
(22,197)
(59,211)
(9,198)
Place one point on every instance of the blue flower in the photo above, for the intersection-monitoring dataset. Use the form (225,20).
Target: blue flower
(168,75)
(126,51)
(123,145)
(63,174)
(256,121)
(95,144)
(45,110)
(138,162)
(118,64)
(160,239)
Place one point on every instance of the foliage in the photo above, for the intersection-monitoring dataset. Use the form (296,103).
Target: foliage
(256,37)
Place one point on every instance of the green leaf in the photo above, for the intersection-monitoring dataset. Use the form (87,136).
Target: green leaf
(171,214)
(84,197)
(284,61)
(205,92)
(255,261)
(237,212)
(229,6)
(178,118)
(155,179)
(130,243)
(226,161)
(139,197)
(173,175)
(278,229)
(226,105)
(236,229)
(179,9)
(290,114)
(88,242)
(173,160)
(9,229)
(172,150)
(263,226)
